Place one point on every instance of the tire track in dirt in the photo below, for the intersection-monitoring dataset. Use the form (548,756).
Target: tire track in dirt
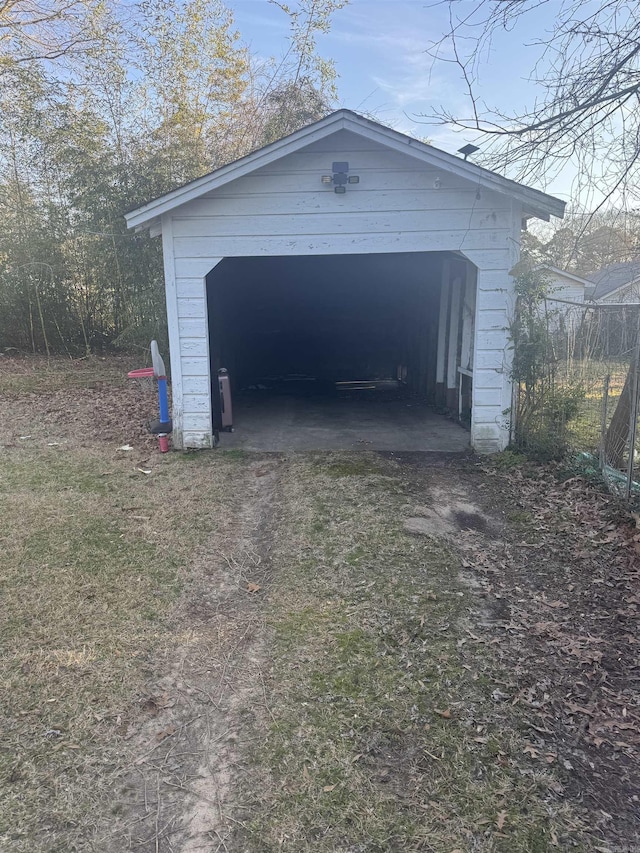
(207,685)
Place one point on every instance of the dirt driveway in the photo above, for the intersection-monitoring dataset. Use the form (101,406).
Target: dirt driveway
(317,651)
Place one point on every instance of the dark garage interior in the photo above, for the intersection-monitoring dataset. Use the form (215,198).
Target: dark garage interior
(335,336)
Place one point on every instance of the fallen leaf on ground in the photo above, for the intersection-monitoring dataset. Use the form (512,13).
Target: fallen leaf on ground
(446,714)
(501,819)
(253,587)
(328,788)
(165,733)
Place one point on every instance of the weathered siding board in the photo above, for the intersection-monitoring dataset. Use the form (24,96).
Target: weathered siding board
(488,359)
(190,307)
(492,318)
(572,292)
(335,244)
(324,201)
(192,327)
(193,346)
(489,397)
(312,201)
(491,338)
(197,403)
(308,184)
(195,384)
(327,222)
(497,300)
(196,366)
(192,288)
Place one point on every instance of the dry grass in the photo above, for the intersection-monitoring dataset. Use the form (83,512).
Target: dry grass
(369,717)
(37,375)
(385,733)
(92,560)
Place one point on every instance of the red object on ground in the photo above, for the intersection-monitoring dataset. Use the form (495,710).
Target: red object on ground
(163,443)
(141,373)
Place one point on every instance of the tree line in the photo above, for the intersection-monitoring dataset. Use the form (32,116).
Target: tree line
(104,106)
(585,243)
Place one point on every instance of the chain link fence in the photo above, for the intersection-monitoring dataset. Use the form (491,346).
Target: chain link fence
(588,401)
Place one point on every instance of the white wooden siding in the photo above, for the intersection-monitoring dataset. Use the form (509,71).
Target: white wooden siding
(564,288)
(399,205)
(189,349)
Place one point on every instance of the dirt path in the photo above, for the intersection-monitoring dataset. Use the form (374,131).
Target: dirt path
(188,753)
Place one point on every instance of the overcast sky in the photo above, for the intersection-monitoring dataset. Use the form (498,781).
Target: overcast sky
(379,48)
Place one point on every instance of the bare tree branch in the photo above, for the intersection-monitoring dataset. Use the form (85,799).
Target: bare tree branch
(588,76)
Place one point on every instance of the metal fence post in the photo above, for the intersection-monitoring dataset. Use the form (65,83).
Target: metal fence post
(603,422)
(633,411)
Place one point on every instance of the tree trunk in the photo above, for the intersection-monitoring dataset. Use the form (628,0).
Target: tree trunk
(618,432)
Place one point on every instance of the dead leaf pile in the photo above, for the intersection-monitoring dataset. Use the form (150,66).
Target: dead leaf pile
(562,592)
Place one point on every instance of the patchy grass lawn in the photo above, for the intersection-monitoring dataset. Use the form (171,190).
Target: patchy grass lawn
(307,652)
(92,561)
(384,731)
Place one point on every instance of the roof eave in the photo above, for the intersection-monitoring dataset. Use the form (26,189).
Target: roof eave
(255,160)
(535,203)
(569,275)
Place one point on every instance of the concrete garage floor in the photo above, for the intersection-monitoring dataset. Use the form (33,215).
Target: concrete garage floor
(281,423)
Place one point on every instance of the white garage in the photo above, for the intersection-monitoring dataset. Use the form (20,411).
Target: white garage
(344,256)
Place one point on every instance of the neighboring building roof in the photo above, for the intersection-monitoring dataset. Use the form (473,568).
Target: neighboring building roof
(614,277)
(534,202)
(569,275)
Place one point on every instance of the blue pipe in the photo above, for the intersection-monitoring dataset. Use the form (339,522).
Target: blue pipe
(163,399)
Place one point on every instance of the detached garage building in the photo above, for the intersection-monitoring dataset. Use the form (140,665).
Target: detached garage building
(345,251)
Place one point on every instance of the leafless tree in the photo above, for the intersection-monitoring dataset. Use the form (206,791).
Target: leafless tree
(588,76)
(43,30)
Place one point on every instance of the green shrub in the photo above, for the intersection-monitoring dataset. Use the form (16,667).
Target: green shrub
(545,405)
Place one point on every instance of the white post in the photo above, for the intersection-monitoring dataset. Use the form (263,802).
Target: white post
(492,387)
(468,318)
(442,323)
(454,325)
(171,296)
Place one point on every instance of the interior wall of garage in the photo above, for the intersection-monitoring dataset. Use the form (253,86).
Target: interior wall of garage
(334,317)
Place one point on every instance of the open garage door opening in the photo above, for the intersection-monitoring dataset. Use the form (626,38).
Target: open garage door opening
(340,346)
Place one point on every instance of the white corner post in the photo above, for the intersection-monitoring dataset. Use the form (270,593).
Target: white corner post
(171,297)
(492,353)
(188,325)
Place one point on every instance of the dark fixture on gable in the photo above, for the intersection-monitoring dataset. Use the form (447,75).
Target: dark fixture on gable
(340,177)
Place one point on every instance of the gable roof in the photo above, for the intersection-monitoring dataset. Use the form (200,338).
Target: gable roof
(614,277)
(535,203)
(569,275)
